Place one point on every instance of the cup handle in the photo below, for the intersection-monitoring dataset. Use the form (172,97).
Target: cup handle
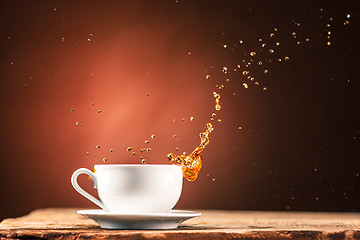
(82,191)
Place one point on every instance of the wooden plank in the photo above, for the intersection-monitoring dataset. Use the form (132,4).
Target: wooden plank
(213,224)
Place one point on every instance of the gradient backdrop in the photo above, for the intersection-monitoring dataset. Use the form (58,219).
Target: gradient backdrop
(144,64)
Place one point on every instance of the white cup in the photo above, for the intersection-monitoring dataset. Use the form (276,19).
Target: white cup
(133,188)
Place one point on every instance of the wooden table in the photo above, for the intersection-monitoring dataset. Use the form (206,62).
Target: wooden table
(213,224)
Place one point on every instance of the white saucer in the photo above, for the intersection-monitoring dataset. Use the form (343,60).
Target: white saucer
(170,220)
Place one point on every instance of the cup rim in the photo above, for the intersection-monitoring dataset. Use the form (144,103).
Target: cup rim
(135,165)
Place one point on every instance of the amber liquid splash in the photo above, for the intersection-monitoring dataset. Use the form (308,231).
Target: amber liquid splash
(191,164)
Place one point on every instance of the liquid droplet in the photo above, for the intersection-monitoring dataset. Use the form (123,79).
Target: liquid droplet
(225,70)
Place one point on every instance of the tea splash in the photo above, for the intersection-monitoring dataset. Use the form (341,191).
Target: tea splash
(191,164)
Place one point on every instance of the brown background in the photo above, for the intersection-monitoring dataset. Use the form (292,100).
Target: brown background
(299,144)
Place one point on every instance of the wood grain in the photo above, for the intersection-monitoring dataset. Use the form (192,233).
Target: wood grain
(213,224)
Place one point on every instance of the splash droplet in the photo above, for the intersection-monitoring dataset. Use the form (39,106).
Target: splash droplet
(224,70)
(97,146)
(129,149)
(217,101)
